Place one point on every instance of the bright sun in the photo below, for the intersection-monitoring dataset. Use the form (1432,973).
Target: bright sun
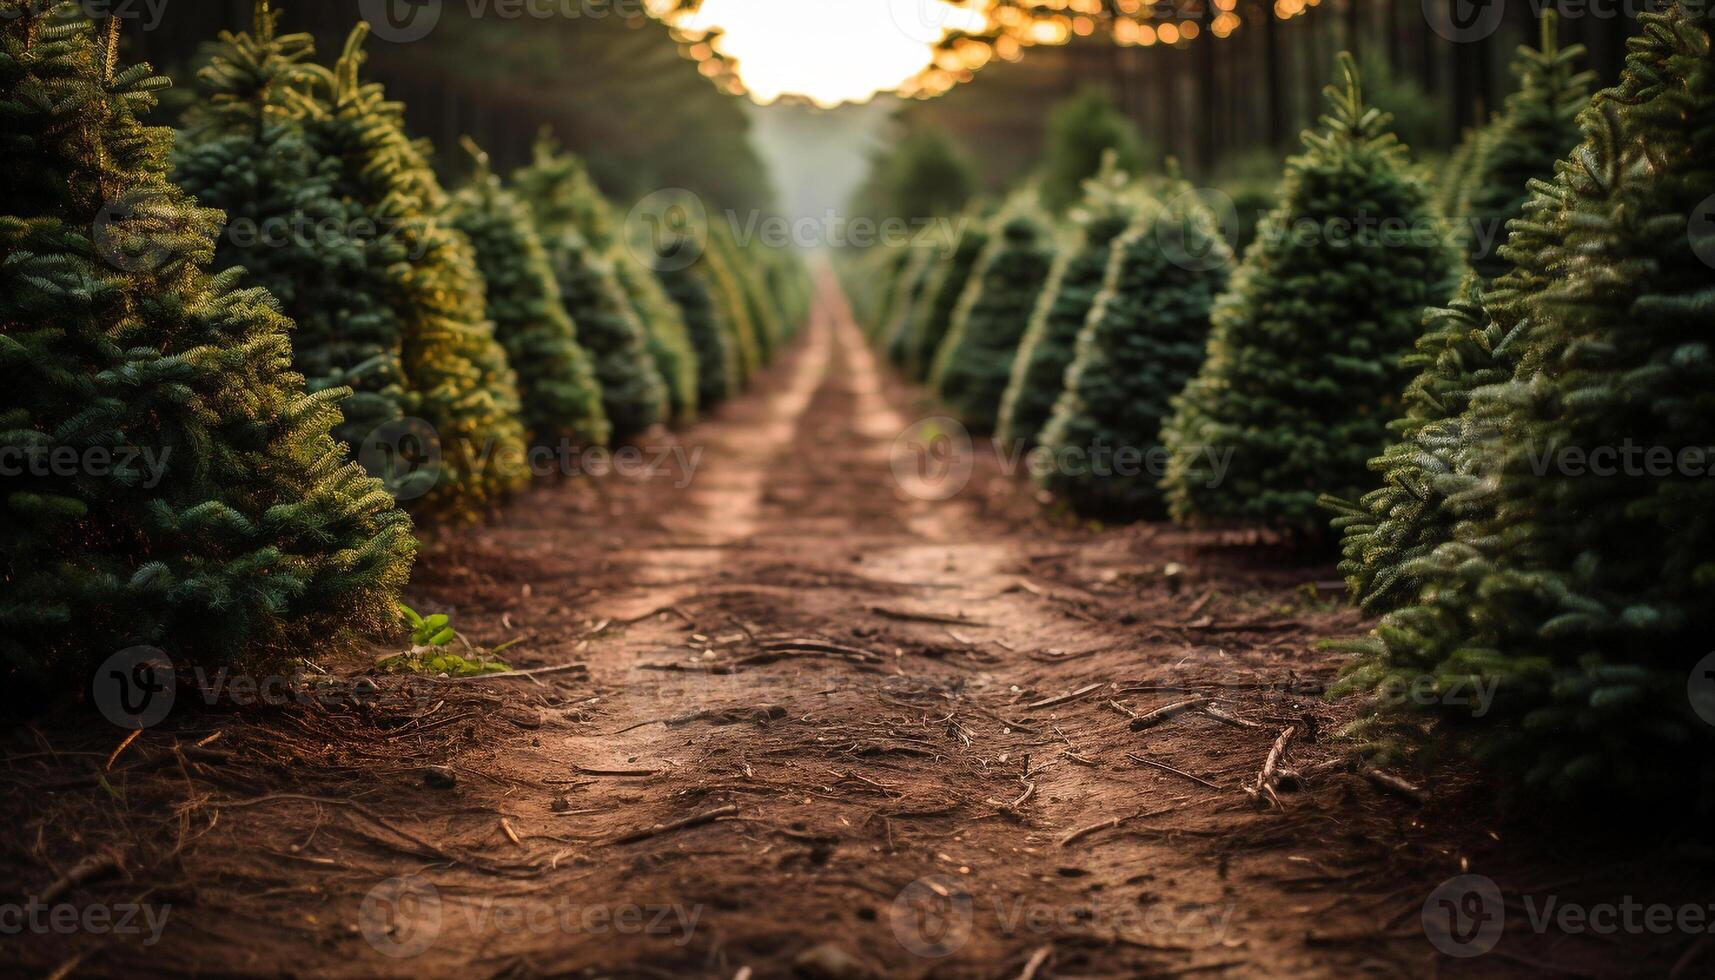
(831,51)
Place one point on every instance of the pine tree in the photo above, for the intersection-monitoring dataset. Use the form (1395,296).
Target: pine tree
(1462,347)
(766,328)
(1144,338)
(207,510)
(245,151)
(460,382)
(974,364)
(556,379)
(921,176)
(1082,132)
(931,320)
(1538,126)
(567,210)
(877,286)
(670,343)
(1581,596)
(664,336)
(1391,528)
(789,281)
(1039,372)
(909,291)
(1455,174)
(718,369)
(1303,367)
(722,282)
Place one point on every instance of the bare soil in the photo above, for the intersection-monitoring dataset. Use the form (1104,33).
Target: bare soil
(822,728)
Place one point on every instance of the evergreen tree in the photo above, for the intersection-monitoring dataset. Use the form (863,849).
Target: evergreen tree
(1416,112)
(1303,367)
(1582,597)
(974,364)
(909,291)
(718,368)
(719,278)
(1395,525)
(931,319)
(1455,174)
(556,379)
(568,210)
(1082,132)
(460,382)
(1144,338)
(664,336)
(921,176)
(207,511)
(788,281)
(1039,372)
(764,319)
(1462,348)
(891,261)
(244,150)
(670,344)
(1251,204)
(1538,126)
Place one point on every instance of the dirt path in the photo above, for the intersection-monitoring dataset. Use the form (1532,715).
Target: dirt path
(827,727)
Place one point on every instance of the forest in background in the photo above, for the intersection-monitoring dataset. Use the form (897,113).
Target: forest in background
(590,78)
(1229,107)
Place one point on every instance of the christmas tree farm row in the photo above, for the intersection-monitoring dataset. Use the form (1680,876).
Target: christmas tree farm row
(1501,389)
(207,330)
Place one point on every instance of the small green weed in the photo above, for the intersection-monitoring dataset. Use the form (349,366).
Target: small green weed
(432,653)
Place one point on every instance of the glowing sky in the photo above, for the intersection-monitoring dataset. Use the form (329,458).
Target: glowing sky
(832,51)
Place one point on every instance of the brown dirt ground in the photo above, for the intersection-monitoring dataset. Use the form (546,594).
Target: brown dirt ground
(845,684)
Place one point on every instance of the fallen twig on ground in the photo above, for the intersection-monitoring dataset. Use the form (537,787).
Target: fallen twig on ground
(1110,823)
(1167,711)
(1263,788)
(587,771)
(683,823)
(512,675)
(89,869)
(725,716)
(1390,783)
(1069,696)
(1197,607)
(1167,768)
(906,616)
(1220,714)
(1035,962)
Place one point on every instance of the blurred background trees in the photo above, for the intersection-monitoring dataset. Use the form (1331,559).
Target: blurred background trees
(610,82)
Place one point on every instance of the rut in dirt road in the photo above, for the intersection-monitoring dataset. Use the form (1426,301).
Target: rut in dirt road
(790,719)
